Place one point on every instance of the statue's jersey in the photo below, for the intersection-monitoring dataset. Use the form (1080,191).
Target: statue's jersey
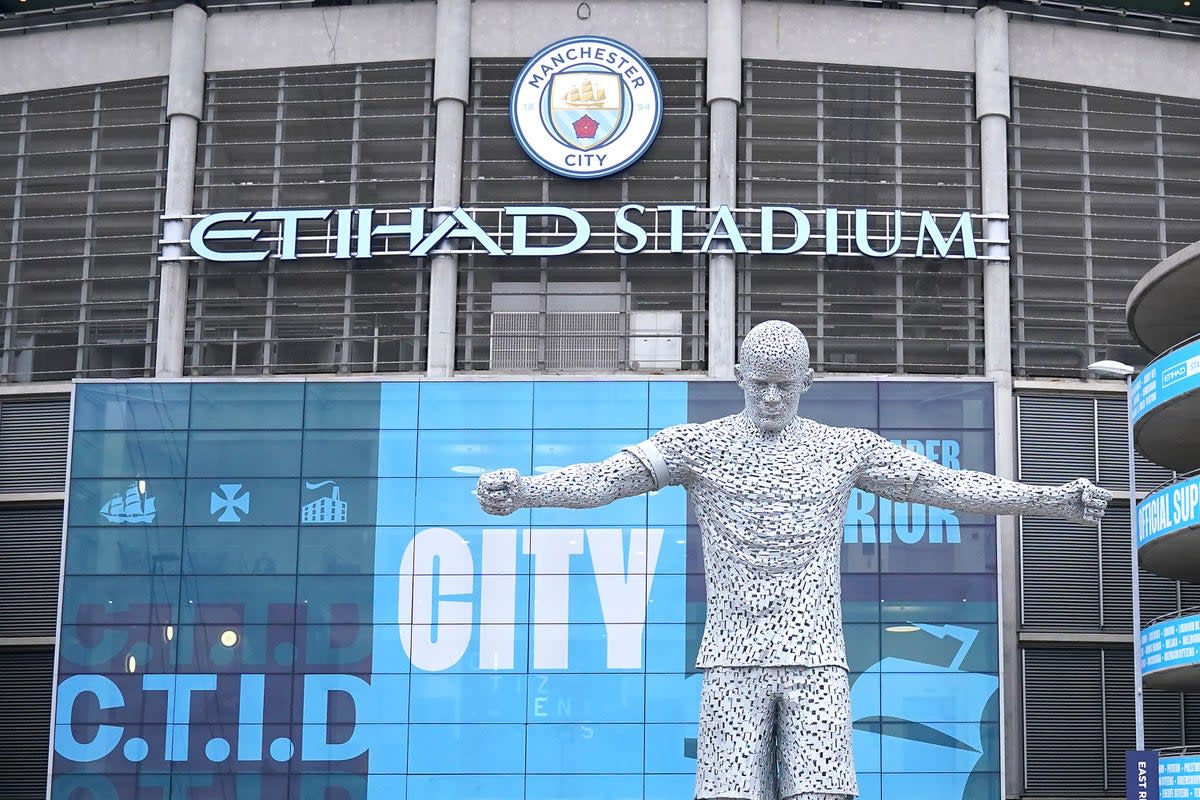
(771,508)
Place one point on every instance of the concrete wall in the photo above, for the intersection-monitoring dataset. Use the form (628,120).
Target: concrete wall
(87,55)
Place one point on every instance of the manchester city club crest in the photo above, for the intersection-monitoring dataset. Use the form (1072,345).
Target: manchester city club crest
(586,107)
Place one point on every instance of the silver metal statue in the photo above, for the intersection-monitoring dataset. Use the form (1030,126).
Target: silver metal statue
(770,491)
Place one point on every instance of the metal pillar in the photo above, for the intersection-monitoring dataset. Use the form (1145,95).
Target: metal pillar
(992,110)
(724,82)
(185,104)
(451,81)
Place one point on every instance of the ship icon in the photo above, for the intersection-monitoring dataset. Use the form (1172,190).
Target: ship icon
(325,509)
(585,95)
(133,507)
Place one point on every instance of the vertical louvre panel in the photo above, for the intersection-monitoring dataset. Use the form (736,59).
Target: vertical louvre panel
(1064,728)
(33,444)
(1119,714)
(1111,426)
(1164,710)
(1160,596)
(1060,577)
(1057,438)
(31,544)
(818,135)
(1117,581)
(26,677)
(1191,720)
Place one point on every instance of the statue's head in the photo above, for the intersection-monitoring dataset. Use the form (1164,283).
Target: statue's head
(773,372)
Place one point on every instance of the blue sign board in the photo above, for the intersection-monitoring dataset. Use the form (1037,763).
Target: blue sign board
(286,590)
(1168,510)
(1141,775)
(1170,644)
(1168,377)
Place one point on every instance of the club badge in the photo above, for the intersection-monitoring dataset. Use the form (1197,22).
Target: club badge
(586,107)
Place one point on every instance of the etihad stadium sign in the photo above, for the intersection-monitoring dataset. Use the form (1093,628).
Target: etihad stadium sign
(551,231)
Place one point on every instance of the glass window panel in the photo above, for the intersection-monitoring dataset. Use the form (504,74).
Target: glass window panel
(243,454)
(131,406)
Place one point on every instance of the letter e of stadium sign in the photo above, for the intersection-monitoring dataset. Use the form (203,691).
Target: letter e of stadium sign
(586,107)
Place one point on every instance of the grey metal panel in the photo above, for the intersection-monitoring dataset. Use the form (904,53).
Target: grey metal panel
(33,444)
(1116,585)
(1060,575)
(30,544)
(1064,728)
(26,677)
(1159,596)
(1057,438)
(1111,423)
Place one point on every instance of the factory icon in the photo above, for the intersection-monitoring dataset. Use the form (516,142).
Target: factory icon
(329,509)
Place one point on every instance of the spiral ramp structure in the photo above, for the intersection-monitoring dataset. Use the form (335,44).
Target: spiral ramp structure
(1163,314)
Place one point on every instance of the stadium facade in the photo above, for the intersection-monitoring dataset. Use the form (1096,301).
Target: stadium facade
(282,279)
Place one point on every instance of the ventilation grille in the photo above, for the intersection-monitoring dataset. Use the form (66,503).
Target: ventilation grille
(31,544)
(33,444)
(574,341)
(26,677)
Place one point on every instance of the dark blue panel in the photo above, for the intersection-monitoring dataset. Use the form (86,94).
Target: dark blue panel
(935,404)
(223,502)
(233,600)
(355,453)
(239,550)
(336,550)
(237,406)
(126,502)
(329,404)
(120,600)
(123,550)
(144,454)
(131,406)
(850,404)
(243,454)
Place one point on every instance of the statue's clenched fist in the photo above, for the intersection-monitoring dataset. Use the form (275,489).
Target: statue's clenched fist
(501,492)
(1085,500)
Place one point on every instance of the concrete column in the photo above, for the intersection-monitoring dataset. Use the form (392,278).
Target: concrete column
(992,109)
(724,82)
(451,84)
(185,104)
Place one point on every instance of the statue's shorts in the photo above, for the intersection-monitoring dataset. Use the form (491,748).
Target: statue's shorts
(768,732)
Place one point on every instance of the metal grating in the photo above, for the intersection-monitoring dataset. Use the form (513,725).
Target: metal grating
(81,191)
(1064,721)
(33,444)
(1104,185)
(496,172)
(858,137)
(326,137)
(26,678)
(31,541)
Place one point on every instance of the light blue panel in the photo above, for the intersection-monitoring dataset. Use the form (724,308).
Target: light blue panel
(123,550)
(507,651)
(667,506)
(342,405)
(612,697)
(667,748)
(506,552)
(670,787)
(935,697)
(608,748)
(466,698)
(392,739)
(245,454)
(666,648)
(583,787)
(558,448)
(667,599)
(395,501)
(867,747)
(455,453)
(672,552)
(235,406)
(870,786)
(449,502)
(391,787)
(353,454)
(586,647)
(673,697)
(466,750)
(128,406)
(476,405)
(398,405)
(127,502)
(594,404)
(462,787)
(272,501)
(397,454)
(144,454)
(924,785)
(948,747)
(668,404)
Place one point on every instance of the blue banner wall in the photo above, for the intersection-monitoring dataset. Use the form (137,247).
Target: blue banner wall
(286,590)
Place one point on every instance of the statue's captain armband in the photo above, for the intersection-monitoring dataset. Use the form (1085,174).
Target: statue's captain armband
(650,457)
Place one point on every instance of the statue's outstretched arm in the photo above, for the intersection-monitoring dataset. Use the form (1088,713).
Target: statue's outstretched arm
(577,486)
(903,475)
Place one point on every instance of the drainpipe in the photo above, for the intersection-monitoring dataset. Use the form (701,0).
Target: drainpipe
(724,86)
